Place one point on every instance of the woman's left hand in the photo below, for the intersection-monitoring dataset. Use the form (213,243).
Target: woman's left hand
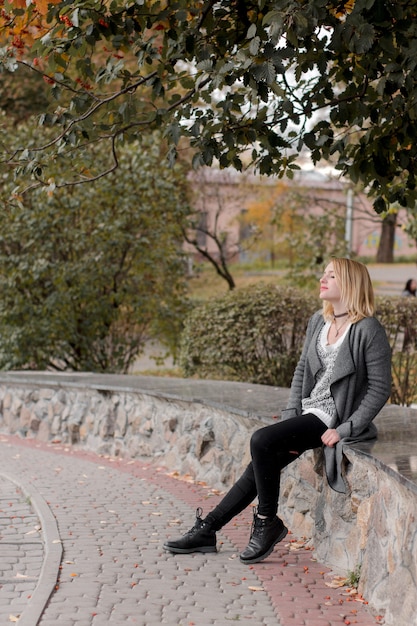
(330,437)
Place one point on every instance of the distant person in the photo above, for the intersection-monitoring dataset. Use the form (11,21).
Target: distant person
(410,336)
(341,382)
(410,288)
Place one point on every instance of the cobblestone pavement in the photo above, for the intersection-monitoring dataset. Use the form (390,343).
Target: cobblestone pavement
(21,548)
(81,544)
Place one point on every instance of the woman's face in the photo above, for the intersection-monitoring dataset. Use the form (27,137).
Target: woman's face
(329,289)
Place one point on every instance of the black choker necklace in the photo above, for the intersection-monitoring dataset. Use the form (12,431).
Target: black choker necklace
(340,315)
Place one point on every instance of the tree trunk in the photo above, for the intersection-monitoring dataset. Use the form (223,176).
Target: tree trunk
(385,253)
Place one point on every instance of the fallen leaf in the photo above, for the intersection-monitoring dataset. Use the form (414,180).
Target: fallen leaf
(256,588)
(13,618)
(296,545)
(351,592)
(338,581)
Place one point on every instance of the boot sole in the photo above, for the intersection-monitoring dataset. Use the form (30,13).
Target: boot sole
(263,556)
(203,549)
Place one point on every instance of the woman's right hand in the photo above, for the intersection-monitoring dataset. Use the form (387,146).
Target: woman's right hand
(330,437)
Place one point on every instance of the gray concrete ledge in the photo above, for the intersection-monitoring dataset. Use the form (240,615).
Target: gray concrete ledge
(245,399)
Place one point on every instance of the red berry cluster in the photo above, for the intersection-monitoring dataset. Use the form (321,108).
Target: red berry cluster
(66,20)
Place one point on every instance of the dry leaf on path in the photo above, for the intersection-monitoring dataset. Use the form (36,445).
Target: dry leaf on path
(338,581)
(296,545)
(350,592)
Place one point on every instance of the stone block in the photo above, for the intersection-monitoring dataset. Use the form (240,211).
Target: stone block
(46,394)
(74,433)
(34,423)
(121,423)
(25,416)
(7,400)
(44,431)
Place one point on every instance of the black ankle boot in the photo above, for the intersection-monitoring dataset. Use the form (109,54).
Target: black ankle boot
(200,538)
(265,534)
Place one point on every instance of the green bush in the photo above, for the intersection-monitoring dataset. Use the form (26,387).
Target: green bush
(399,317)
(253,334)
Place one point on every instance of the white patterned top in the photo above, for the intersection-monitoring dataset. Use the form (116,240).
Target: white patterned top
(321,401)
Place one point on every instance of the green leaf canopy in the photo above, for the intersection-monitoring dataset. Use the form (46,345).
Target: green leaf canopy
(246,83)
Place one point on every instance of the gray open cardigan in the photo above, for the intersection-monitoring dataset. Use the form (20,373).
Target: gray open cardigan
(361,385)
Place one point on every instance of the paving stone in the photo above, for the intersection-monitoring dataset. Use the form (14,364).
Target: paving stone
(112,518)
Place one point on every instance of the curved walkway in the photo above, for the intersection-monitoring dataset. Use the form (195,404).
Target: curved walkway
(81,543)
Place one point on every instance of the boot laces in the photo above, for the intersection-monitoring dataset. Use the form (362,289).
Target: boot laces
(258,524)
(199,522)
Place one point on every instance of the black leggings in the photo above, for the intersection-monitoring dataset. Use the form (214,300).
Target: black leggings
(272,448)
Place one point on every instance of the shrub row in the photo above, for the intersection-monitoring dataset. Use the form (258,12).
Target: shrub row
(399,318)
(256,334)
(252,335)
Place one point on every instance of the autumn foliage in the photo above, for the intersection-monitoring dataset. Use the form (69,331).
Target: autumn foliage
(21,25)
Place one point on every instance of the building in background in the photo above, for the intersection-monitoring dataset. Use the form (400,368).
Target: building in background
(234,210)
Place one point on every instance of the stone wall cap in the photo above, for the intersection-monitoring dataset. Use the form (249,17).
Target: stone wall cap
(387,464)
(245,399)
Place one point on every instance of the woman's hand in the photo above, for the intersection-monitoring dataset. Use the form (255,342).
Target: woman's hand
(330,437)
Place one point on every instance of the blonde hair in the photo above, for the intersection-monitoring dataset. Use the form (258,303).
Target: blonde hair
(356,289)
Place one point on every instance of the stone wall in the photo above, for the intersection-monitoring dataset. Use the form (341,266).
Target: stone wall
(374,526)
(208,443)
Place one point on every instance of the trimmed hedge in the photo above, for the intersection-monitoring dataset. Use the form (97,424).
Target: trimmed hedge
(254,334)
(399,318)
